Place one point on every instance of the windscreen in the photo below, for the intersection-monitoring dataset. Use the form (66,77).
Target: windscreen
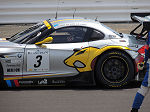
(30,33)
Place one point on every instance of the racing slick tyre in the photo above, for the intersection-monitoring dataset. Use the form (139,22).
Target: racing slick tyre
(114,69)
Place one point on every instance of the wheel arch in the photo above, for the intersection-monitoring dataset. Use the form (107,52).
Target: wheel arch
(114,49)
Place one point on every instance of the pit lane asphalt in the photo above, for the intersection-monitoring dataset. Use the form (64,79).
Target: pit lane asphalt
(69,99)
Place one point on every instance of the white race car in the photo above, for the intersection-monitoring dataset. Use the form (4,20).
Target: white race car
(69,51)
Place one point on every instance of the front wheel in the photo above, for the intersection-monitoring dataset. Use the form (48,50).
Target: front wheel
(114,69)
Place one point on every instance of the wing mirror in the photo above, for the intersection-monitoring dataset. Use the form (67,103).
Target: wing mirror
(47,40)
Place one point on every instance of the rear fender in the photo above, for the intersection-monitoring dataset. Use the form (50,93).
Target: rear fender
(97,54)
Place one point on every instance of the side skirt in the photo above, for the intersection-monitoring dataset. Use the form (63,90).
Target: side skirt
(82,79)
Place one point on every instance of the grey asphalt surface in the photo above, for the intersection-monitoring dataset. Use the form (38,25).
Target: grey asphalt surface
(69,99)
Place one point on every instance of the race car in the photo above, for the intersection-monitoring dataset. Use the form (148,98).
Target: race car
(70,51)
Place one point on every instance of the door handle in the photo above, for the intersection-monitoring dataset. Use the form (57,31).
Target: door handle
(77,49)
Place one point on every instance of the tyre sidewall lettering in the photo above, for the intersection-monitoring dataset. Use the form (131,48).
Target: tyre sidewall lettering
(104,75)
(114,54)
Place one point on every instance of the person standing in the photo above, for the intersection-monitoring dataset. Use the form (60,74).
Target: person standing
(143,91)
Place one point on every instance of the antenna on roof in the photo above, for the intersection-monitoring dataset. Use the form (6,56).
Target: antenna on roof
(56,15)
(74,12)
(57,9)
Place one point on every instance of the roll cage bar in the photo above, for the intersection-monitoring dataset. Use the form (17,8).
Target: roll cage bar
(144,20)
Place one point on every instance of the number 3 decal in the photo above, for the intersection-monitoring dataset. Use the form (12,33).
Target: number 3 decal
(39,59)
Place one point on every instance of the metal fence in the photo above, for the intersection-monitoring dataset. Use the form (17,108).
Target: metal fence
(31,11)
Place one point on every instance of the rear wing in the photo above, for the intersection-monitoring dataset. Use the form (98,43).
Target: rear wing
(144,20)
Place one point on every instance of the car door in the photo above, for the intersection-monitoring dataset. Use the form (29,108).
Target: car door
(49,59)
(66,50)
(37,62)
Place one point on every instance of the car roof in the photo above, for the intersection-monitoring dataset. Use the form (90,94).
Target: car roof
(77,21)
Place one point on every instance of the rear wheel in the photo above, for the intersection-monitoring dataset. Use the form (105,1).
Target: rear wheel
(114,69)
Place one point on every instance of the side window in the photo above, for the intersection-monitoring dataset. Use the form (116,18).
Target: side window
(69,35)
(96,35)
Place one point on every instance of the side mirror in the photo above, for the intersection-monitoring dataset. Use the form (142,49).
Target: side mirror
(47,40)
